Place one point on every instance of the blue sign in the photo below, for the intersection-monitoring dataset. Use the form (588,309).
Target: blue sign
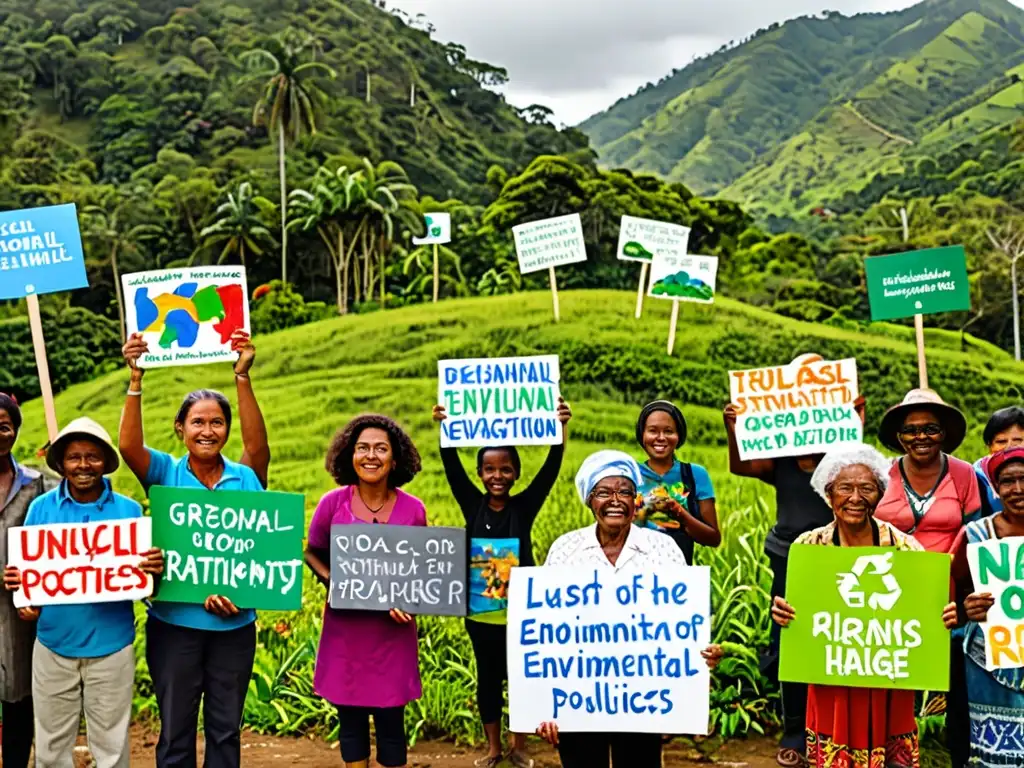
(40,251)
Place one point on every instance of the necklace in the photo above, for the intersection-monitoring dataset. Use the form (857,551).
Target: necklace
(373,512)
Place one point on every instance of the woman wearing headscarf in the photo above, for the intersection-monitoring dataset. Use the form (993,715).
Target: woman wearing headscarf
(678,498)
(995,698)
(1005,429)
(199,652)
(857,727)
(931,495)
(19,487)
(607,483)
(367,664)
(500,527)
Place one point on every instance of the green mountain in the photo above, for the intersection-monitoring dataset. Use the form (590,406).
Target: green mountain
(121,80)
(801,111)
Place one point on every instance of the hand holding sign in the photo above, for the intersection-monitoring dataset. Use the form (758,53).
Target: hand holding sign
(241,342)
(977,606)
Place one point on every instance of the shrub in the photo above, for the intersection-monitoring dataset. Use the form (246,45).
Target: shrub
(282,307)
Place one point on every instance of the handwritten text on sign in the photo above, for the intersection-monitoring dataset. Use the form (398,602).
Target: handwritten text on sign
(796,409)
(418,570)
(244,545)
(80,563)
(599,651)
(550,243)
(40,251)
(998,567)
(499,401)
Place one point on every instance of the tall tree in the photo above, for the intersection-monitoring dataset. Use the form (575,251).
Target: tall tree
(388,194)
(288,105)
(239,225)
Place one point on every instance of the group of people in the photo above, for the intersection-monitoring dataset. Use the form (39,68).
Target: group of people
(67,659)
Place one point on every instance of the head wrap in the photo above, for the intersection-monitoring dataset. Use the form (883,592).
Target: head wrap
(839,459)
(992,464)
(661,405)
(602,464)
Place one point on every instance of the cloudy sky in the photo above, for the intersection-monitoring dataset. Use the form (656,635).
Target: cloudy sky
(579,56)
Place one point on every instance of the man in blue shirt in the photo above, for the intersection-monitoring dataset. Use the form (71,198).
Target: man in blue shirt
(83,655)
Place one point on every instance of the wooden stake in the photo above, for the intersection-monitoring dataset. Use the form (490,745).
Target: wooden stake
(922,363)
(554,292)
(35,323)
(437,273)
(672,327)
(641,290)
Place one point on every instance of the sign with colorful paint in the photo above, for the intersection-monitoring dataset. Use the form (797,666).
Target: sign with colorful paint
(640,239)
(598,651)
(550,243)
(186,315)
(683,277)
(244,545)
(867,617)
(41,251)
(417,569)
(796,409)
(439,230)
(69,564)
(499,401)
(997,567)
(490,569)
(918,283)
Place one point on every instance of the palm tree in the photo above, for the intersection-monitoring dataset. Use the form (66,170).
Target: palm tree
(389,199)
(419,265)
(288,104)
(239,225)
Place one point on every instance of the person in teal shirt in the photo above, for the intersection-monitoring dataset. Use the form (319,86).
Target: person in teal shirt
(199,651)
(674,497)
(83,657)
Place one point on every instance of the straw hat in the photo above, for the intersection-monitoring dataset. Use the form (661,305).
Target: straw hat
(953,422)
(82,428)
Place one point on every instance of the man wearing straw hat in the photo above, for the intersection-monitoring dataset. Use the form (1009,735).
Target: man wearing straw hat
(83,655)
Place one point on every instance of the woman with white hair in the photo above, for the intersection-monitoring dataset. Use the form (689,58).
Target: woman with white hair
(857,727)
(607,482)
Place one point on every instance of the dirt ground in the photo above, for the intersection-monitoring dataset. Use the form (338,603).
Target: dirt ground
(271,752)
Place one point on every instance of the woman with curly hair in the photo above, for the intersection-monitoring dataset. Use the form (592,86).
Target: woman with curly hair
(368,662)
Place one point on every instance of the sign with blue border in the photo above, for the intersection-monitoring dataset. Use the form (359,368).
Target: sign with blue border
(41,251)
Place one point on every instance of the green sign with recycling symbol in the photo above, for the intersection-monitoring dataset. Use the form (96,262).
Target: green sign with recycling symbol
(866,617)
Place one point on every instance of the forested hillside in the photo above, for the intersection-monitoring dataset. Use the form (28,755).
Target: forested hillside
(804,110)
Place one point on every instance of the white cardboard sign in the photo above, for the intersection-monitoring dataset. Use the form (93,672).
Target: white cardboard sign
(550,243)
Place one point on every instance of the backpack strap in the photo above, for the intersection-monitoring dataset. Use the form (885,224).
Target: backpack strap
(690,483)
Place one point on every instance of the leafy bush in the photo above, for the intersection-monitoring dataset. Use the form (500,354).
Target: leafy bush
(282,307)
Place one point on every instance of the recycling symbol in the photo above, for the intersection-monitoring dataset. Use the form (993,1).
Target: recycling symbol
(877,565)
(918,305)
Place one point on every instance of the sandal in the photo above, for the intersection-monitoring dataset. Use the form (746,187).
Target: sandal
(790,758)
(487,761)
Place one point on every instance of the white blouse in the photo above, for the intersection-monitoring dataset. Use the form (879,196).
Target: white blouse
(643,550)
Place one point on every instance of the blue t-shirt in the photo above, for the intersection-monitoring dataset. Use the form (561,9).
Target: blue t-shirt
(664,495)
(168,471)
(92,630)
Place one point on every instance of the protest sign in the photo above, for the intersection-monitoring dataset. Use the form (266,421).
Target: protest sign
(78,563)
(866,617)
(796,409)
(439,230)
(419,570)
(683,277)
(998,567)
(244,545)
(499,401)
(640,239)
(186,315)
(918,283)
(548,244)
(40,252)
(599,651)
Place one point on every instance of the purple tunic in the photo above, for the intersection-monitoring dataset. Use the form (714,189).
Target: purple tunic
(365,659)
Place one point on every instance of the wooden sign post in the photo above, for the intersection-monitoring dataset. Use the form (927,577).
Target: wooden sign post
(437,272)
(641,289)
(35,324)
(439,232)
(672,327)
(640,239)
(547,244)
(554,293)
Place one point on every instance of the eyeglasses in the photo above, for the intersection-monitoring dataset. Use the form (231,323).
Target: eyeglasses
(928,430)
(847,489)
(605,495)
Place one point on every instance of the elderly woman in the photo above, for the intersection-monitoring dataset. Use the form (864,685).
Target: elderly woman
(607,482)
(199,652)
(19,487)
(995,699)
(856,726)
(367,664)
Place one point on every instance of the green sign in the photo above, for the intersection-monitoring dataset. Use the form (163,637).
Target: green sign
(244,545)
(866,617)
(918,283)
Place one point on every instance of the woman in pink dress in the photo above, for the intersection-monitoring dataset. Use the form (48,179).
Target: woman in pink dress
(368,662)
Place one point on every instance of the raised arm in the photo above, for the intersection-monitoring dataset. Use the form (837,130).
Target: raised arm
(466,494)
(255,447)
(759,469)
(131,441)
